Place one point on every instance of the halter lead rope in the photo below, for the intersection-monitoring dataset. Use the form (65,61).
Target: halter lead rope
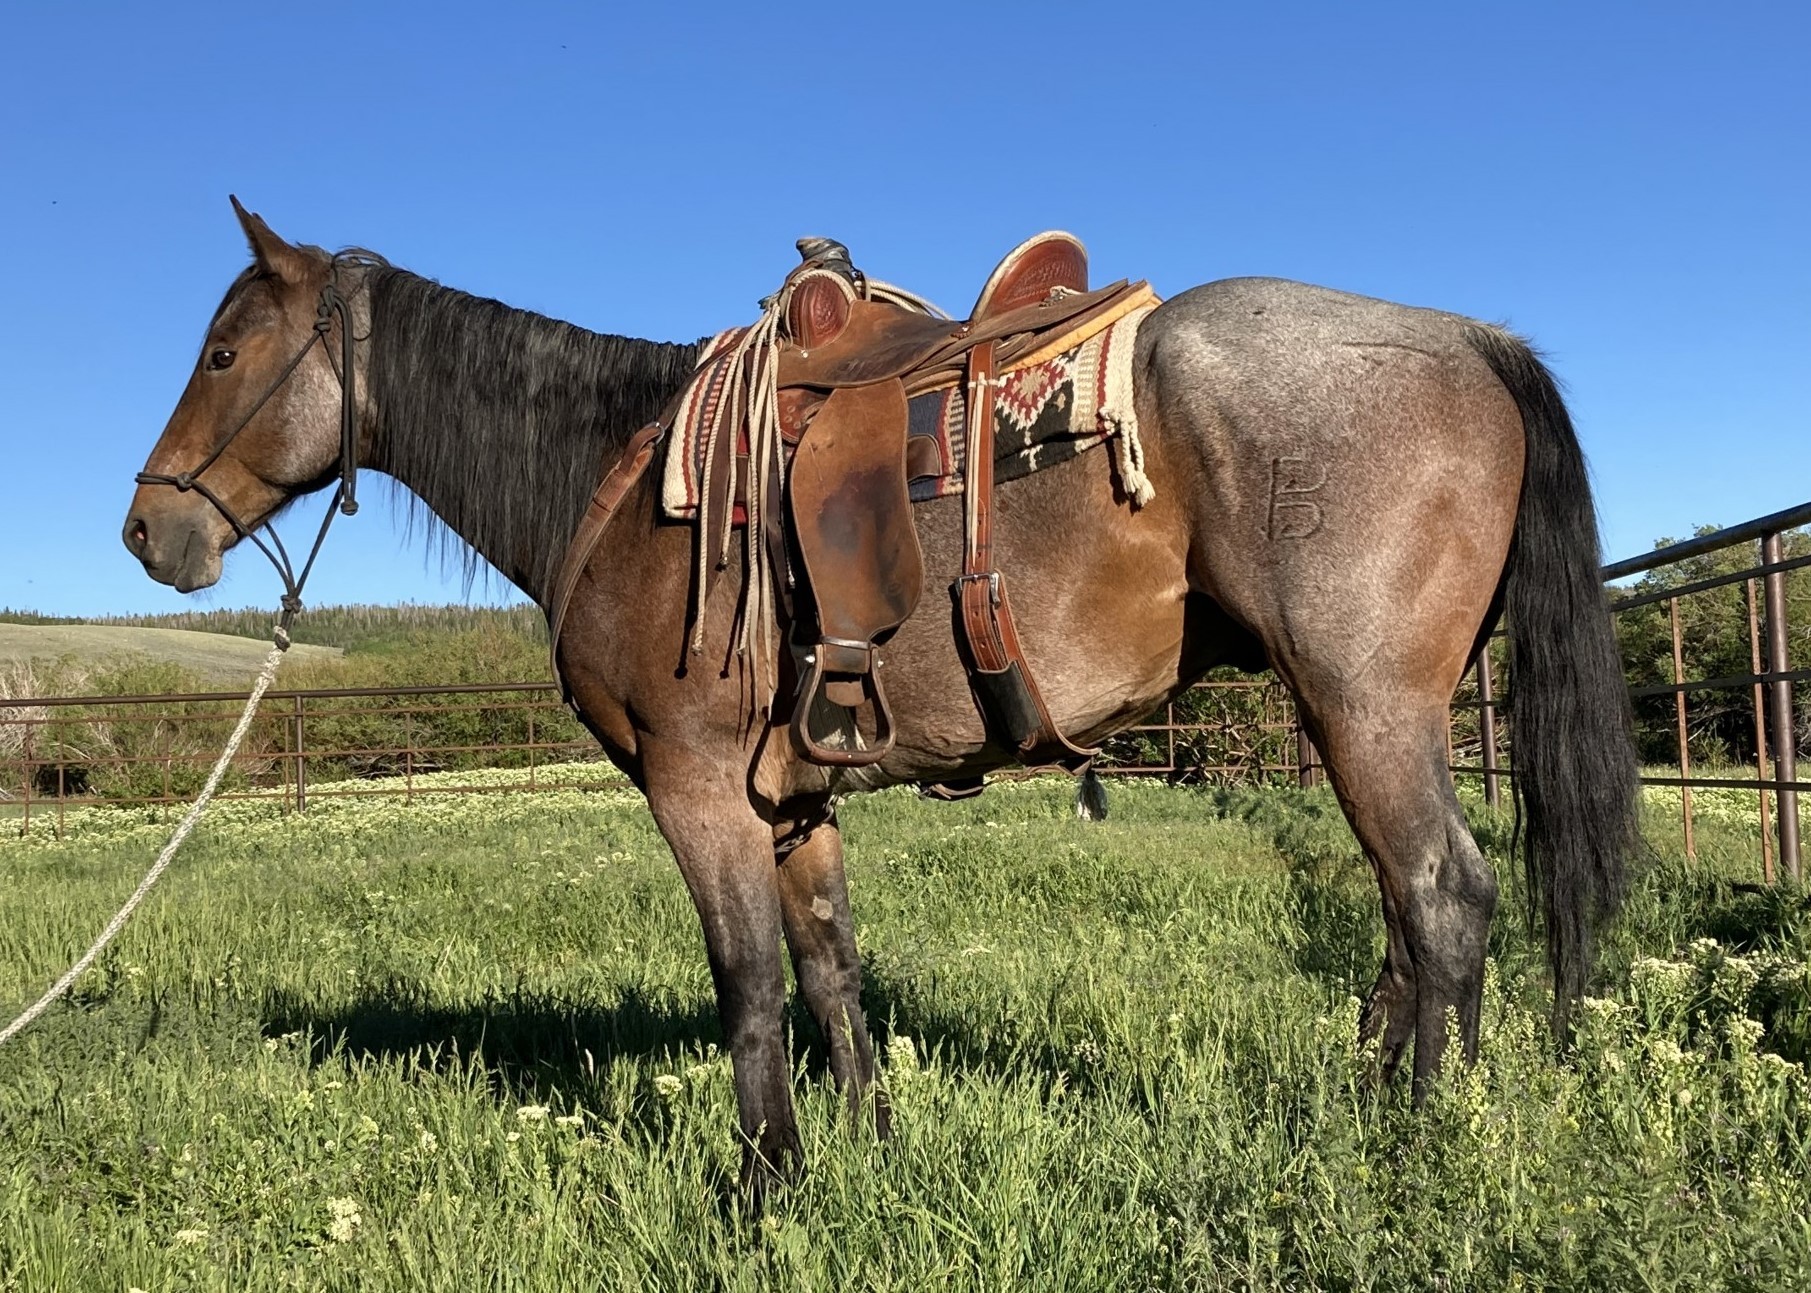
(74,972)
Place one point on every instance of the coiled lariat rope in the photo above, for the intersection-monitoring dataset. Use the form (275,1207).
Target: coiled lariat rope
(265,675)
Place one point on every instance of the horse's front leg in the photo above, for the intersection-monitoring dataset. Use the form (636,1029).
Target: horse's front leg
(725,851)
(814,903)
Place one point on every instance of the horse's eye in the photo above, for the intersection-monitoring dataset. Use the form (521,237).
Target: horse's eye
(218,359)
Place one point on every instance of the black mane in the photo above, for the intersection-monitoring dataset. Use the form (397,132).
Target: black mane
(499,420)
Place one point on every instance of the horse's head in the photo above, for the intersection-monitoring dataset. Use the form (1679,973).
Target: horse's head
(260,421)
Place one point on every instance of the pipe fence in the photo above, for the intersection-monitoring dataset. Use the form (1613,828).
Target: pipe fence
(1741,606)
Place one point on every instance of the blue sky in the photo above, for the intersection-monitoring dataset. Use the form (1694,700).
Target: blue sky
(1626,183)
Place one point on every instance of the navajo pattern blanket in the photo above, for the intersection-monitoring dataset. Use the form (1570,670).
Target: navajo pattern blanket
(1044,414)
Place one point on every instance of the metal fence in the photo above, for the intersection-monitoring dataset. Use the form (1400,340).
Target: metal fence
(62,752)
(1768,687)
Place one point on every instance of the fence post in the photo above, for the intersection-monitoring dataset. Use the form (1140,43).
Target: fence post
(283,762)
(31,773)
(1785,740)
(1487,729)
(1685,756)
(1307,770)
(301,760)
(1760,736)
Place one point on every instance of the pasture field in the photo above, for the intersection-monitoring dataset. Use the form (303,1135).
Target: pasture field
(469,1044)
(215,659)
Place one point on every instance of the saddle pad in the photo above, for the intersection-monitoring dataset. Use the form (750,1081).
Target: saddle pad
(1044,414)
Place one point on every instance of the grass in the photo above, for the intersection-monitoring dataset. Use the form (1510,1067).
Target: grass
(469,1043)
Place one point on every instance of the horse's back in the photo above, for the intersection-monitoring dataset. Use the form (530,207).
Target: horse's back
(1278,333)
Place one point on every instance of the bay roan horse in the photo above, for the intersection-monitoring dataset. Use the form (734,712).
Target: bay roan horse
(1347,490)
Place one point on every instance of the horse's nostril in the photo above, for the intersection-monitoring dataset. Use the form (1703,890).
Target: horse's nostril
(138,533)
(137,538)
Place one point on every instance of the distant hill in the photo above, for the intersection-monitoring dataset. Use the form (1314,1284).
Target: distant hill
(219,657)
(350,628)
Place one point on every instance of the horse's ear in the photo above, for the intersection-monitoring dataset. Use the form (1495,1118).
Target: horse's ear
(273,255)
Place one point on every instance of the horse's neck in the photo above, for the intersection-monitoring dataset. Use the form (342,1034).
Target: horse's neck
(501,422)
(460,518)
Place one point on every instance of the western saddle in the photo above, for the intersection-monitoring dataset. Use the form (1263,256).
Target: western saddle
(812,455)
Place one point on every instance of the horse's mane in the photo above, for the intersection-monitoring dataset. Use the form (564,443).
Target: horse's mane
(503,418)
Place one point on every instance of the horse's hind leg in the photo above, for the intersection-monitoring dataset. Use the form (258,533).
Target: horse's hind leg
(1389,1009)
(1388,766)
(814,903)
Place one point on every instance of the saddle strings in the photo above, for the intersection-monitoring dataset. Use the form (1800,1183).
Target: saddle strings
(752,400)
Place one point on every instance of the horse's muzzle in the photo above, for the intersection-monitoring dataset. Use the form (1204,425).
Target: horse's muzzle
(178,551)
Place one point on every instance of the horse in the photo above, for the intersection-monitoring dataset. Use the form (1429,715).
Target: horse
(1348,491)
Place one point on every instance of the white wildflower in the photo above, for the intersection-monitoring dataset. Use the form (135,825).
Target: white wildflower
(344,1219)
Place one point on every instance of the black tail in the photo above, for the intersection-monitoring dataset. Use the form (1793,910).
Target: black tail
(1573,752)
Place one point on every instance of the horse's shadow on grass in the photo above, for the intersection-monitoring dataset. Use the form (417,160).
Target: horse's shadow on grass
(532,1047)
(528,1046)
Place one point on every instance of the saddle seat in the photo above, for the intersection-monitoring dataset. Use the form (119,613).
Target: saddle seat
(841,338)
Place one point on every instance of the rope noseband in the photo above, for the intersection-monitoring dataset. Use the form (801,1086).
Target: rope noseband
(333,305)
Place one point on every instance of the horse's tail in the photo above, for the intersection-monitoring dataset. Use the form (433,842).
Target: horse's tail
(1574,756)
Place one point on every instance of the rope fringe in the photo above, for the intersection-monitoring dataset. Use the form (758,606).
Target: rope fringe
(1119,411)
(1128,456)
(62,985)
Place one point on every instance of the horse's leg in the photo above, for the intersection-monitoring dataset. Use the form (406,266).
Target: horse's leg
(1387,763)
(814,903)
(1389,1008)
(725,852)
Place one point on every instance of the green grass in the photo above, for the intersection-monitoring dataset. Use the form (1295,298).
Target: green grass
(470,1044)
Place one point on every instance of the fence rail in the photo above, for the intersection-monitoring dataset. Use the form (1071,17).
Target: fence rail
(1768,688)
(58,752)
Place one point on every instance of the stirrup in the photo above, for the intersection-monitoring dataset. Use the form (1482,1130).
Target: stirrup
(853,669)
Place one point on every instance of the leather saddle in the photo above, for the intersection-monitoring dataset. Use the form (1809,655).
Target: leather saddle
(851,360)
(846,353)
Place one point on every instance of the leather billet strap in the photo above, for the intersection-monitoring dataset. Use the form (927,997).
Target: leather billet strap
(610,492)
(998,669)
